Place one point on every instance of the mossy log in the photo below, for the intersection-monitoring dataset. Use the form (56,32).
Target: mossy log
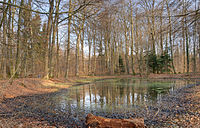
(93,121)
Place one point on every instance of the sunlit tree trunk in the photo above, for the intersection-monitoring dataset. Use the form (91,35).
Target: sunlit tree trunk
(18,53)
(194,39)
(126,47)
(57,54)
(161,30)
(132,38)
(4,49)
(48,40)
(101,53)
(94,51)
(153,27)
(12,55)
(10,58)
(170,37)
(187,49)
(183,36)
(78,33)
(55,27)
(113,55)
(90,45)
(82,43)
(186,37)
(106,50)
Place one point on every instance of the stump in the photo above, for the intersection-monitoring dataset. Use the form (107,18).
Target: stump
(93,121)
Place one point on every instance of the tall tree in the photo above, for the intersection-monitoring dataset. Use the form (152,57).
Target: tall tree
(18,54)
(48,40)
(132,37)
(68,38)
(170,36)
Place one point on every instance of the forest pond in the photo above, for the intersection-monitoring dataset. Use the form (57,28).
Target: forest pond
(114,95)
(111,98)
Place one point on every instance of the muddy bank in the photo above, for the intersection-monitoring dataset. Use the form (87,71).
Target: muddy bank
(179,109)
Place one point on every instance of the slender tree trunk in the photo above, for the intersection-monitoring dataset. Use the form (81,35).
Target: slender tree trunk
(195,40)
(32,52)
(11,51)
(48,40)
(55,26)
(57,54)
(10,62)
(153,28)
(187,50)
(82,44)
(68,38)
(183,35)
(89,60)
(170,37)
(199,42)
(4,49)
(101,53)
(132,36)
(127,52)
(18,39)
(78,50)
(161,30)
(186,36)
(109,55)
(106,51)
(94,50)
(113,55)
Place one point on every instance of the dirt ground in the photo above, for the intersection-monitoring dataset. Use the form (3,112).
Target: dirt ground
(31,86)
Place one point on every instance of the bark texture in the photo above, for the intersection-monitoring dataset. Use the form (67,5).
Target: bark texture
(93,121)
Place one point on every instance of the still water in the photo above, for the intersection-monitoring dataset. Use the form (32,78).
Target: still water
(115,95)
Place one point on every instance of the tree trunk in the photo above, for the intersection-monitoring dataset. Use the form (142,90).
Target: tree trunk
(78,51)
(55,26)
(132,36)
(4,49)
(94,50)
(18,53)
(89,59)
(126,48)
(68,38)
(57,55)
(161,30)
(48,41)
(186,36)
(82,43)
(194,40)
(10,62)
(170,37)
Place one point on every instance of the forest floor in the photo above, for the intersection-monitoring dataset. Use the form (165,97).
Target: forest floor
(183,109)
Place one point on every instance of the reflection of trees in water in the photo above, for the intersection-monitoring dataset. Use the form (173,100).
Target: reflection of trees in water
(124,92)
(78,97)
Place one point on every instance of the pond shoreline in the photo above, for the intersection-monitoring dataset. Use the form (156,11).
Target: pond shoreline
(31,86)
(180,109)
(186,101)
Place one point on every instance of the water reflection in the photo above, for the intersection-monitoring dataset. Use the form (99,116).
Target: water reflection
(111,95)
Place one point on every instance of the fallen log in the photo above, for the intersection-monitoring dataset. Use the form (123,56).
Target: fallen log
(93,121)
